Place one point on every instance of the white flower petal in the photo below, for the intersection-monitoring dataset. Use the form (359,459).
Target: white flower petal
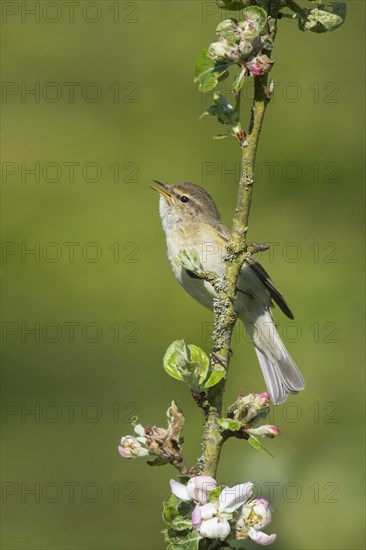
(127,440)
(261,538)
(215,529)
(209,528)
(259,508)
(142,452)
(196,517)
(262,511)
(179,490)
(223,529)
(199,487)
(232,497)
(139,429)
(246,511)
(125,453)
(208,510)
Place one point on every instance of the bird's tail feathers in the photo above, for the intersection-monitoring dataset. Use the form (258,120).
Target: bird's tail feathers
(280,373)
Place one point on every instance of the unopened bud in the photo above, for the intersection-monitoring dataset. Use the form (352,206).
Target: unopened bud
(263,399)
(259,65)
(227,26)
(250,408)
(249,29)
(219,50)
(245,47)
(267,430)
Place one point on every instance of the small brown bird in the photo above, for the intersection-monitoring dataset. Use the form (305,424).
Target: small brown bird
(191,220)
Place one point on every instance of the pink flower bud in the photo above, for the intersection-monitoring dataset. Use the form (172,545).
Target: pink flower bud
(263,398)
(267,430)
(259,65)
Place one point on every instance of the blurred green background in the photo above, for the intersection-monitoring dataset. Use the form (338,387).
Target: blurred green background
(105,306)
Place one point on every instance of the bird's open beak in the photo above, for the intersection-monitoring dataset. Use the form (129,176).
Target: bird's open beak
(163,189)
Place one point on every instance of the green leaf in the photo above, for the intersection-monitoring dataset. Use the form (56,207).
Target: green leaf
(169,516)
(258,15)
(178,541)
(175,514)
(209,72)
(239,81)
(189,363)
(181,524)
(185,508)
(203,63)
(258,445)
(229,424)
(232,5)
(172,358)
(227,114)
(199,362)
(204,72)
(170,510)
(189,259)
(324,18)
(224,111)
(213,496)
(214,378)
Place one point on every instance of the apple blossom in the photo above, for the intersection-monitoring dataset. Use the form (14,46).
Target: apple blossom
(132,447)
(211,520)
(255,516)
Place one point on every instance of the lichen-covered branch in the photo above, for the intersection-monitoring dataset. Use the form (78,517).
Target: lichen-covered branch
(225,316)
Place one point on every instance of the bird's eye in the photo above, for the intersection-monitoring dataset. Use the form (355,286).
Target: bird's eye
(184,198)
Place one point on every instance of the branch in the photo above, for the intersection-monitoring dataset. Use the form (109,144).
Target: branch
(225,316)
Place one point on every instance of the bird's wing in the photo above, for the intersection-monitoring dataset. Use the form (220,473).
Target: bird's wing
(262,274)
(223,232)
(273,290)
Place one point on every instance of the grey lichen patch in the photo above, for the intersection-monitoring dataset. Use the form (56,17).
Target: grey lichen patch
(221,284)
(200,462)
(220,308)
(230,256)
